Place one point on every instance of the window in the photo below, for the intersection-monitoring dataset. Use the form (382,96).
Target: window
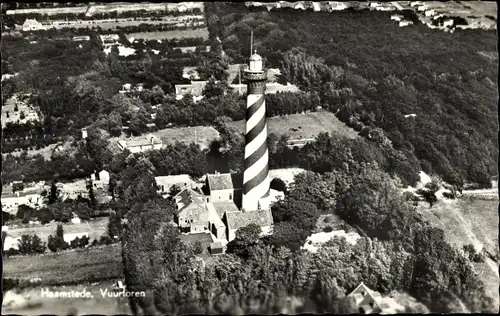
(208,200)
(230,196)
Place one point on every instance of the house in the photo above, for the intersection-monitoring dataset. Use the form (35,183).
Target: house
(239,219)
(316,6)
(196,215)
(494,182)
(224,187)
(69,237)
(104,177)
(81,38)
(369,301)
(10,202)
(109,39)
(300,6)
(336,6)
(397,17)
(164,183)
(11,242)
(195,88)
(140,144)
(192,216)
(405,23)
(430,13)
(448,23)
(190,73)
(32,25)
(193,49)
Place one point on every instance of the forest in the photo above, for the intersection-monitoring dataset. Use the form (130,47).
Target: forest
(375,78)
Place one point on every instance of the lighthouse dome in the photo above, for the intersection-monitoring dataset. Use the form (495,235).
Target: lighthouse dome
(255,62)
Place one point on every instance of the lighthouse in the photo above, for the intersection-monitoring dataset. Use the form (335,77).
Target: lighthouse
(256,184)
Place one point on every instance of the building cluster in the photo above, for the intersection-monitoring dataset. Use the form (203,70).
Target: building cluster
(92,9)
(196,88)
(302,5)
(33,194)
(215,209)
(17,110)
(141,143)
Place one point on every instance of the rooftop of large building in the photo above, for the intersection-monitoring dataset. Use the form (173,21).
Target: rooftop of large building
(226,206)
(225,181)
(239,219)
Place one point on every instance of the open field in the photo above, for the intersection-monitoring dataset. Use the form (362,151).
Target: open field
(160,35)
(308,125)
(470,222)
(46,152)
(202,135)
(97,304)
(68,267)
(95,228)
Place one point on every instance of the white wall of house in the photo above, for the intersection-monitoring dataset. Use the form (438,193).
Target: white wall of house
(222,195)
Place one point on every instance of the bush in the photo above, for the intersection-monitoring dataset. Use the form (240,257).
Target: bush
(278,185)
(328,229)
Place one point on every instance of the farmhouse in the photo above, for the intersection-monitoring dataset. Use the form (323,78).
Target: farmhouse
(32,25)
(140,144)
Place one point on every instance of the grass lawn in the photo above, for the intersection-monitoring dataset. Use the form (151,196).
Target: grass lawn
(203,135)
(69,267)
(95,229)
(159,35)
(308,125)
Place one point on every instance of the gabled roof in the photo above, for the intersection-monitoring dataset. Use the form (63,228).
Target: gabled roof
(224,181)
(187,197)
(195,213)
(374,296)
(225,206)
(236,220)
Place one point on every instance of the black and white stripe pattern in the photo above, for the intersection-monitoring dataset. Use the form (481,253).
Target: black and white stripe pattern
(256,184)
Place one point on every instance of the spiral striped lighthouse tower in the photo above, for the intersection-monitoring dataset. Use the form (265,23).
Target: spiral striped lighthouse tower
(256,183)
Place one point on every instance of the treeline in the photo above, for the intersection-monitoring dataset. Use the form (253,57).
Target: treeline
(453,95)
(191,24)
